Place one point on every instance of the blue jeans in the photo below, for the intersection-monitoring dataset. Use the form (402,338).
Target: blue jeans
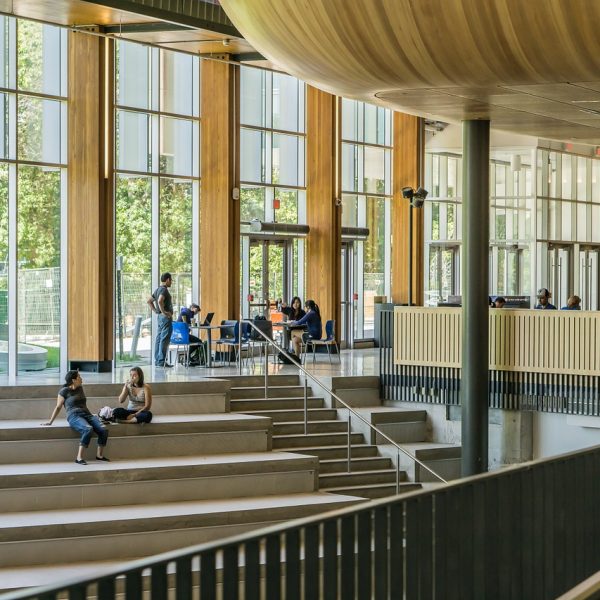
(85,424)
(121,414)
(163,337)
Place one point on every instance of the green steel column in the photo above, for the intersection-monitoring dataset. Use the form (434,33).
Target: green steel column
(475,278)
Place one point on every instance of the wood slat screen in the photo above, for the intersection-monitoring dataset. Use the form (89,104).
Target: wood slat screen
(520,340)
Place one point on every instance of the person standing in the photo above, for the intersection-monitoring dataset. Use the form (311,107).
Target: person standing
(162,304)
(80,419)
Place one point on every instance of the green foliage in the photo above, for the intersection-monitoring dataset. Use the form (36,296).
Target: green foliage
(175,226)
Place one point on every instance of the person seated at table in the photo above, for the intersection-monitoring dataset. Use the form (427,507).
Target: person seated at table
(187,315)
(499,302)
(312,321)
(573,303)
(139,395)
(294,312)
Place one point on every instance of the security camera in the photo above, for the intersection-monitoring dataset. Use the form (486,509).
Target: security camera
(407,192)
(421,193)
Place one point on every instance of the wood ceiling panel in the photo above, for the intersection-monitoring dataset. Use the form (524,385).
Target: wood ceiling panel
(513,60)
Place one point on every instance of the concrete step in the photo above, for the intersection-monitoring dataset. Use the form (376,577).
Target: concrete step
(340,465)
(48,485)
(315,439)
(337,452)
(290,415)
(444,459)
(254,404)
(359,397)
(216,434)
(279,391)
(336,480)
(259,380)
(161,424)
(165,404)
(400,425)
(381,490)
(313,427)
(123,532)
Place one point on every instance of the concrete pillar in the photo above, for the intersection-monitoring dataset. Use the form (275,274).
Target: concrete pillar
(475,281)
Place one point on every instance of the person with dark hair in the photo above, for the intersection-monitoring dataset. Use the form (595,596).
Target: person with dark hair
(544,300)
(79,417)
(499,302)
(294,311)
(139,395)
(161,303)
(187,315)
(312,321)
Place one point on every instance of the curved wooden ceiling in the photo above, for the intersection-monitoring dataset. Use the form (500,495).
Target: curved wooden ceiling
(531,66)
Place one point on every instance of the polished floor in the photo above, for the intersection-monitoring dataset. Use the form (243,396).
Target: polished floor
(353,362)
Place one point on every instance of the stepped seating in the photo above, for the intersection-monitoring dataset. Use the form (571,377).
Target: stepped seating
(191,476)
(371,476)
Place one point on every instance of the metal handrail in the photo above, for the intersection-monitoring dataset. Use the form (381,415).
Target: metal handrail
(351,411)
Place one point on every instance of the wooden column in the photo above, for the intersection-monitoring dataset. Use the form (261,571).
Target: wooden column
(90,203)
(220,221)
(407,161)
(323,256)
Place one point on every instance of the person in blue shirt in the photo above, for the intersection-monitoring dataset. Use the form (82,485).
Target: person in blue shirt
(187,315)
(573,303)
(544,300)
(312,321)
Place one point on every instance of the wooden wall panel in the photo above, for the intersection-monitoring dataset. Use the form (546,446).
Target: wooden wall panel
(407,161)
(323,256)
(220,214)
(529,341)
(90,204)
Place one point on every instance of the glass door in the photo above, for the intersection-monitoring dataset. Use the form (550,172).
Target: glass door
(269,272)
(348,302)
(443,273)
(588,276)
(560,273)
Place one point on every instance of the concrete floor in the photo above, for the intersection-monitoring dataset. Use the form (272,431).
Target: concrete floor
(353,362)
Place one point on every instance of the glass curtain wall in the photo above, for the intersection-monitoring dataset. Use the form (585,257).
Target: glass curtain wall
(511,232)
(273,188)
(157,164)
(33,157)
(567,218)
(366,198)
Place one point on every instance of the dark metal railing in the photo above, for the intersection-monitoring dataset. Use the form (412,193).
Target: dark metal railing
(528,531)
(338,402)
(508,390)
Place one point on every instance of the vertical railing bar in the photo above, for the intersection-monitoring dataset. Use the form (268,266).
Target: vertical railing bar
(397,471)
(106,589)
(349,442)
(273,567)
(305,405)
(266,371)
(183,580)
(230,573)
(208,578)
(158,581)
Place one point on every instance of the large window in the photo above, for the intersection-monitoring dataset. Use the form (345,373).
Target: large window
(33,120)
(366,196)
(273,188)
(156,186)
(511,235)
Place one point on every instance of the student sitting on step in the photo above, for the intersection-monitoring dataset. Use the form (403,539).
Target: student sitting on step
(139,395)
(79,417)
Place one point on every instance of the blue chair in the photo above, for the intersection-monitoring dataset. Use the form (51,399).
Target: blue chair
(328,341)
(229,338)
(180,338)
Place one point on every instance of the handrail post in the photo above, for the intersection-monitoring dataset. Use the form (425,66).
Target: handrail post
(266,371)
(349,441)
(240,346)
(397,471)
(305,405)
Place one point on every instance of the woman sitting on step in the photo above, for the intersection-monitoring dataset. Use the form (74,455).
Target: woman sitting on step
(139,395)
(79,417)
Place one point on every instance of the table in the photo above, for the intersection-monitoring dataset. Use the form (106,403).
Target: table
(286,328)
(208,329)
